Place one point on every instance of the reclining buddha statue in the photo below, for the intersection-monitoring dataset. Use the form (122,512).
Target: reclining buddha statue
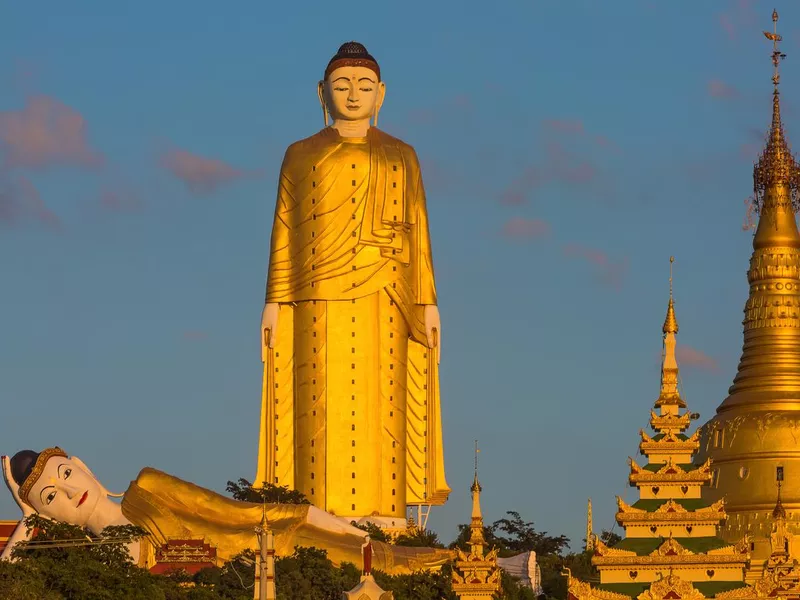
(61,487)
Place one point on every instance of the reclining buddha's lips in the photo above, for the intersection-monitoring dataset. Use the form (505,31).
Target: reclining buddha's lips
(83,498)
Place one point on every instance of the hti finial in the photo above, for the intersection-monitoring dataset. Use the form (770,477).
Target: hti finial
(777,55)
(671,260)
(776,165)
(670,322)
(476,486)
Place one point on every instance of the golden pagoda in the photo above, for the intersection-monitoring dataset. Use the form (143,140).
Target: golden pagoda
(670,548)
(756,430)
(476,575)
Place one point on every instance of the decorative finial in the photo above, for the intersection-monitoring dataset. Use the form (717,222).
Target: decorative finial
(589,527)
(476,486)
(670,323)
(671,260)
(777,55)
(776,165)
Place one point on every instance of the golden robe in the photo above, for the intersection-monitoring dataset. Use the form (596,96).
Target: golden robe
(350,410)
(170,508)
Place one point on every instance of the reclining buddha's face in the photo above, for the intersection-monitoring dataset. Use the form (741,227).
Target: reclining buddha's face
(66,491)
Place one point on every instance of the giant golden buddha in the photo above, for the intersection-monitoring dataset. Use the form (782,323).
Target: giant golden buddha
(350,410)
(757,427)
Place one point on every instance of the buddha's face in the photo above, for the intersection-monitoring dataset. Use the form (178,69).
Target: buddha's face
(353,93)
(66,491)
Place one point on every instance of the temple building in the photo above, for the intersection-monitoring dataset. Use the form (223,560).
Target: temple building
(6,529)
(756,431)
(670,547)
(476,574)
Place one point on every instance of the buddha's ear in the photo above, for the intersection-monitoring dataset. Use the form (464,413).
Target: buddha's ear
(322,103)
(379,101)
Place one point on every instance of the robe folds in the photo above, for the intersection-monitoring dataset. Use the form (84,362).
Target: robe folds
(350,406)
(169,508)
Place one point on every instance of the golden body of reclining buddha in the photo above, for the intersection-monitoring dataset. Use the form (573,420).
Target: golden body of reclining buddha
(63,488)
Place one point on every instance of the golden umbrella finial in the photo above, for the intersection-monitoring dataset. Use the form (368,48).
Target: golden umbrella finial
(670,323)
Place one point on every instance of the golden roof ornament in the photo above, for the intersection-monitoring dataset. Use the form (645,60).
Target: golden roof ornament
(776,165)
(670,323)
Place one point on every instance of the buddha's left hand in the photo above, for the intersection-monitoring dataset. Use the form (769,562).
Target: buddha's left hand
(433,329)
(13,487)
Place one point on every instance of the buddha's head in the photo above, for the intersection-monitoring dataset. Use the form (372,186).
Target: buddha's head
(351,89)
(57,486)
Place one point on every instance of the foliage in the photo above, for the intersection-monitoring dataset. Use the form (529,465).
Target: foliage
(418,586)
(105,571)
(244,491)
(419,538)
(309,573)
(376,534)
(101,571)
(517,535)
(464,532)
(609,538)
(512,589)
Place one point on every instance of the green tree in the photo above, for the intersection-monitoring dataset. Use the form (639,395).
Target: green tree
(518,535)
(512,589)
(419,538)
(609,538)
(376,534)
(309,574)
(464,533)
(418,586)
(244,491)
(102,570)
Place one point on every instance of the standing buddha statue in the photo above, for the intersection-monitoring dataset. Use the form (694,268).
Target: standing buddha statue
(350,411)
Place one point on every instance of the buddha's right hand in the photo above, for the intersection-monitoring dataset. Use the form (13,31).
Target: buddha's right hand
(269,327)
(27,511)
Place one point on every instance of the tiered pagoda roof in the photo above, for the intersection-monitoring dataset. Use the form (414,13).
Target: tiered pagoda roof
(670,544)
(476,575)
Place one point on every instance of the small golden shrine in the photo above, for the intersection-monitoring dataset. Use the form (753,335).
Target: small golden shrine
(670,548)
(476,575)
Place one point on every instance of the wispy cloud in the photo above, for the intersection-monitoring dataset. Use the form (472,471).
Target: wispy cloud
(20,201)
(564,126)
(689,357)
(607,272)
(521,228)
(719,89)
(560,166)
(120,200)
(201,175)
(46,133)
(740,16)
(576,127)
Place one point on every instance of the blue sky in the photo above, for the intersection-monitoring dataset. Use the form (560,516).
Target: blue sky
(568,148)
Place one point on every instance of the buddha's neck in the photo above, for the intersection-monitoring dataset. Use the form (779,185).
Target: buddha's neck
(107,513)
(354,129)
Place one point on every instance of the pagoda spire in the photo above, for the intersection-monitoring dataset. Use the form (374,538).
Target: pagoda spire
(770,359)
(476,575)
(669,400)
(476,540)
(589,527)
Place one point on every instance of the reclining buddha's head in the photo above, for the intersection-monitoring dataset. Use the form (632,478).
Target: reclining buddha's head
(56,485)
